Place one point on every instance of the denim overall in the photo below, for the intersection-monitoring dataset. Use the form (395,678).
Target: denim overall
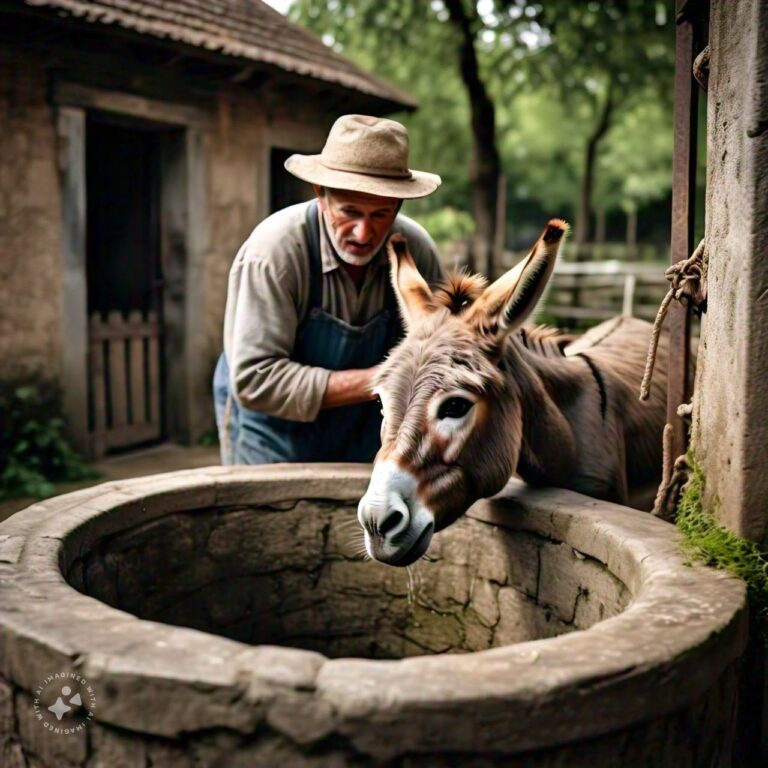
(346,433)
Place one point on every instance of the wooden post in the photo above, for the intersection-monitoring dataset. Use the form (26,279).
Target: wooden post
(628,302)
(137,391)
(118,381)
(98,389)
(74,326)
(631,239)
(683,189)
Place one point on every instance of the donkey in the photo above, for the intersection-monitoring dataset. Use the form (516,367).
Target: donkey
(469,398)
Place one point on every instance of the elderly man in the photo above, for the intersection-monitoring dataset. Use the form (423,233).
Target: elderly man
(310,307)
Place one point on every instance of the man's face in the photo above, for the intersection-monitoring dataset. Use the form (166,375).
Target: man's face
(357,222)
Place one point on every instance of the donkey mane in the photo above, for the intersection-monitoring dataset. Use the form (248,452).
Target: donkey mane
(459,291)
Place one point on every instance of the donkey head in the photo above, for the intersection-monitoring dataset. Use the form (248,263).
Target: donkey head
(452,416)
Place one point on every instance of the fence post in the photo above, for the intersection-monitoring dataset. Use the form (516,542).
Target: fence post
(628,304)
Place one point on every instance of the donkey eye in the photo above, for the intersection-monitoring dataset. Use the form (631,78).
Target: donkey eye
(454,408)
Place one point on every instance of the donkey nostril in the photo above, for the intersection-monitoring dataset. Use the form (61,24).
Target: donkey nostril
(392,520)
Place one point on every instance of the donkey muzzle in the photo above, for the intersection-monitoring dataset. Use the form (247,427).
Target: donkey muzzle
(398,527)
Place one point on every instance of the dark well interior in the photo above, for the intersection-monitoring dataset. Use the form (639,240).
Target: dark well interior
(291,575)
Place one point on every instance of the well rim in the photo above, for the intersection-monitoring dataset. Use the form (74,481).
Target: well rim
(684,627)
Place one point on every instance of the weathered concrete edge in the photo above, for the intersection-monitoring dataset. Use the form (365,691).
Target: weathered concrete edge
(665,647)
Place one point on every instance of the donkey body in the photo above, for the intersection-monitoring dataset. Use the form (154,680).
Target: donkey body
(470,397)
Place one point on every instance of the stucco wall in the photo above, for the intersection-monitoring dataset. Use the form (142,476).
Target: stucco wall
(30,221)
(731,428)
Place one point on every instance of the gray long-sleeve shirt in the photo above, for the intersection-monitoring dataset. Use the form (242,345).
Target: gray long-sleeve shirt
(267,299)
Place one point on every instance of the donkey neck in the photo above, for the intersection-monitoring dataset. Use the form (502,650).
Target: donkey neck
(549,390)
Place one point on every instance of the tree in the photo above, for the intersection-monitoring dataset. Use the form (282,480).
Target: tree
(609,55)
(636,161)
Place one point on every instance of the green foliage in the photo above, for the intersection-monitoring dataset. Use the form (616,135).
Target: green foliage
(542,149)
(34,450)
(446,225)
(717,546)
(635,165)
(209,438)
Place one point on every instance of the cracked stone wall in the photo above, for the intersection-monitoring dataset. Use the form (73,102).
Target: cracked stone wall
(730,431)
(293,576)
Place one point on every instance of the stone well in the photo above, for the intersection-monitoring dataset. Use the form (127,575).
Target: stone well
(222,617)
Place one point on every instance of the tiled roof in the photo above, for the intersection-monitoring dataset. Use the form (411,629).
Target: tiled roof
(245,29)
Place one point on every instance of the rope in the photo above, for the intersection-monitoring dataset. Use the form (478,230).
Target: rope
(701,68)
(687,282)
(650,360)
(687,285)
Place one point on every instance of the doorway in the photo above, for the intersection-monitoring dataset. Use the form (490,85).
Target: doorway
(125,283)
(285,189)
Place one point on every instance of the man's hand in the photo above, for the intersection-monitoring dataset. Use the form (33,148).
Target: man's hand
(349,387)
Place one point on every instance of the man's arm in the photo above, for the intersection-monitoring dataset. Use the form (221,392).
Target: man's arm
(349,387)
(267,288)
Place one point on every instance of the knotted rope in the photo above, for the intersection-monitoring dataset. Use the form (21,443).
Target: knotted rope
(687,283)
(701,68)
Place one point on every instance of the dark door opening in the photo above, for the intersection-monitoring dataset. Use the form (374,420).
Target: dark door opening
(125,282)
(285,188)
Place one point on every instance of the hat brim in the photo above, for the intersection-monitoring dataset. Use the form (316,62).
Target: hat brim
(309,168)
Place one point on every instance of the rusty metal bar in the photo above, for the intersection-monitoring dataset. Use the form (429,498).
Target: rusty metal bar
(687,45)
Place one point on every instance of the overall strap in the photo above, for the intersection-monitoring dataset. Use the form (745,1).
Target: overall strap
(315,261)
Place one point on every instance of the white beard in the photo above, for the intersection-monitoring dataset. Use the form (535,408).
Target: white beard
(351,258)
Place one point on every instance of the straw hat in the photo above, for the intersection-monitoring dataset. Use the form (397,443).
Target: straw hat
(365,154)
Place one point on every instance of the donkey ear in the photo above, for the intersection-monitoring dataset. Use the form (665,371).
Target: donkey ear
(506,304)
(413,294)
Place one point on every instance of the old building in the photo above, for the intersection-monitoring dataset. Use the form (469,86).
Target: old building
(140,142)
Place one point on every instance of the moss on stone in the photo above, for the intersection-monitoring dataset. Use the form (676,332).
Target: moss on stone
(717,546)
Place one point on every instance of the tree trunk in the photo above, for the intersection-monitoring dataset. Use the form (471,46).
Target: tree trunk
(600,217)
(582,233)
(485,167)
(631,234)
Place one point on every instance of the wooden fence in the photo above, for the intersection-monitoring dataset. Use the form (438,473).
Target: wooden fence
(125,386)
(583,293)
